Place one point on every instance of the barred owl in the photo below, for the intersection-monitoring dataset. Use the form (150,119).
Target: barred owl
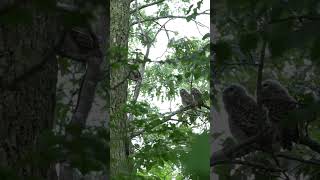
(135,75)
(279,104)
(243,112)
(186,98)
(197,97)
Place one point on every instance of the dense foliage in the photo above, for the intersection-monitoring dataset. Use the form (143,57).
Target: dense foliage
(289,29)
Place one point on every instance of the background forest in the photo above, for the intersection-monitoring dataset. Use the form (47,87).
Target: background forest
(258,40)
(164,58)
(92,89)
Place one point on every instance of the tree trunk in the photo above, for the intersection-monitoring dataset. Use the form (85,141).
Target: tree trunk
(119,32)
(28,75)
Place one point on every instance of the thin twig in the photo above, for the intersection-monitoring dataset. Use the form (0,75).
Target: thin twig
(294,158)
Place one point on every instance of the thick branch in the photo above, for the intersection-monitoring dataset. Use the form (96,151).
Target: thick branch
(235,151)
(87,92)
(294,158)
(163,17)
(146,5)
(308,17)
(241,149)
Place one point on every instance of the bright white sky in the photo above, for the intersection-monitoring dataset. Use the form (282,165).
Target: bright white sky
(185,29)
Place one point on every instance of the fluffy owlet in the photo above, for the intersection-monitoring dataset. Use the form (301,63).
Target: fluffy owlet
(243,112)
(135,75)
(186,98)
(197,97)
(244,117)
(279,104)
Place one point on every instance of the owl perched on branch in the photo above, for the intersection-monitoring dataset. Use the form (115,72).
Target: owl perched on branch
(135,75)
(197,97)
(243,113)
(279,104)
(186,98)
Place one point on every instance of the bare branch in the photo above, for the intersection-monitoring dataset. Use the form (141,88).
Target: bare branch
(165,17)
(234,151)
(146,5)
(308,17)
(294,158)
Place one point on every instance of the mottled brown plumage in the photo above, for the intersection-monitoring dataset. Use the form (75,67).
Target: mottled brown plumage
(247,120)
(243,112)
(186,98)
(197,97)
(135,75)
(279,104)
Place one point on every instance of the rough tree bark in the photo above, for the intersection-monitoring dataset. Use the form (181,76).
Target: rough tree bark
(119,33)
(27,93)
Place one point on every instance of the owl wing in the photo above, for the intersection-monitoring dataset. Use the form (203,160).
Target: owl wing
(186,98)
(198,98)
(246,116)
(279,109)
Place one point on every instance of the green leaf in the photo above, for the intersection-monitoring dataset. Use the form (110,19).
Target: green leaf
(190,7)
(197,160)
(315,50)
(278,36)
(248,42)
(223,51)
(199,3)
(16,16)
(223,171)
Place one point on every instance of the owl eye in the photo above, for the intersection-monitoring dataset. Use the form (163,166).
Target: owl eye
(265,85)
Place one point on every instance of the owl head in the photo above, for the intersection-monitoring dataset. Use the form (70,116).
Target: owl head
(233,92)
(233,96)
(195,91)
(272,88)
(183,92)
